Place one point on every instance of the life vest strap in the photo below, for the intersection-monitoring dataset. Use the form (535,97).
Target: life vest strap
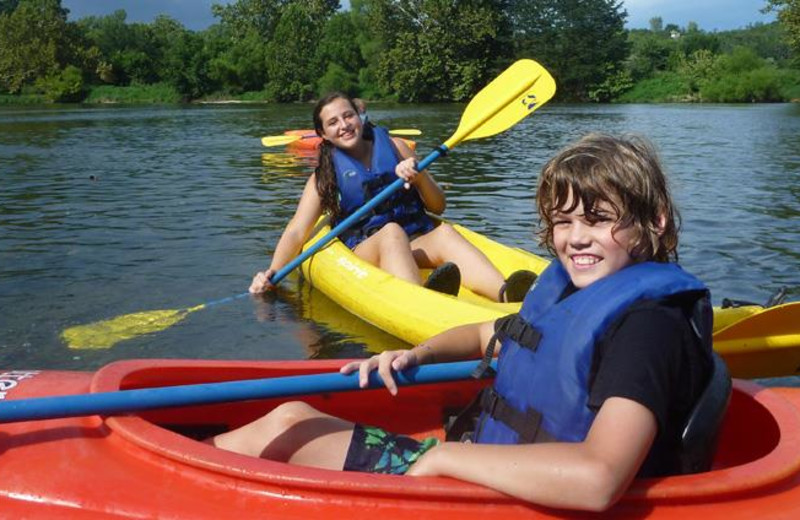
(513,327)
(526,424)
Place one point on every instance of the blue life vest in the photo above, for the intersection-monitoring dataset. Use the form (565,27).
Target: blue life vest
(541,390)
(358,184)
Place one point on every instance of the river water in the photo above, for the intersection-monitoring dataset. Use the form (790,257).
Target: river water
(106,211)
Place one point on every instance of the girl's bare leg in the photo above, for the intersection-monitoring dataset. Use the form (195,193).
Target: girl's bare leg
(445,244)
(390,250)
(294,432)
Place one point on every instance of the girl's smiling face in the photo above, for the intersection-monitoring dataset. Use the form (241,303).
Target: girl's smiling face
(341,124)
(590,245)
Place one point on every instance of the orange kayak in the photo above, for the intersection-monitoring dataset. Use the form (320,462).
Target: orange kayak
(150,465)
(309,140)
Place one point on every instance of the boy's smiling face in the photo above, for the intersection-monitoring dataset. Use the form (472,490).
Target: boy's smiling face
(588,245)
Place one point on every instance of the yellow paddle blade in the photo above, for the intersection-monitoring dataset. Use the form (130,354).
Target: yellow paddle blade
(106,334)
(406,131)
(775,327)
(279,140)
(518,91)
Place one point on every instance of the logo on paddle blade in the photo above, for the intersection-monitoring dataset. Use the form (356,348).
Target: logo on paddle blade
(529,101)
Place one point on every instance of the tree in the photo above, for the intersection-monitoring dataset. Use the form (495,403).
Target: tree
(339,55)
(245,17)
(184,62)
(235,64)
(440,50)
(656,24)
(35,42)
(767,40)
(649,53)
(789,16)
(582,42)
(129,52)
(8,6)
(291,65)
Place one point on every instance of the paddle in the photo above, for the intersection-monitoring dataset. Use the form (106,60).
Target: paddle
(124,401)
(518,91)
(279,140)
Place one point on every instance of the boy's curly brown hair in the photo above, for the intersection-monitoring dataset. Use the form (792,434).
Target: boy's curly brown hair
(624,172)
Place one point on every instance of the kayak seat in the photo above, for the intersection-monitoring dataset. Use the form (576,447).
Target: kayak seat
(701,433)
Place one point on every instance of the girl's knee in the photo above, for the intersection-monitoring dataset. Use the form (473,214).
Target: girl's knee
(446,232)
(393,230)
(392,236)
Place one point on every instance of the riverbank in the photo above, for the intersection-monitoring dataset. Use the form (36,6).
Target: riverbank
(664,88)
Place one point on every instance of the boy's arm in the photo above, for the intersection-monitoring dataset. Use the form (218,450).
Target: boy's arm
(590,475)
(463,342)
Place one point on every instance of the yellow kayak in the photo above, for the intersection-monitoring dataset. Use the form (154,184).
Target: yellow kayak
(754,341)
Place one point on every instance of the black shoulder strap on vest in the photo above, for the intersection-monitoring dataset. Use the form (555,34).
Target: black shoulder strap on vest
(513,327)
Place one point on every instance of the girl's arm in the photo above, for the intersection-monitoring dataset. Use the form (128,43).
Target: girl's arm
(429,191)
(309,209)
(590,475)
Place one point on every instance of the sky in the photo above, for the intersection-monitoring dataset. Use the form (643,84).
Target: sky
(710,15)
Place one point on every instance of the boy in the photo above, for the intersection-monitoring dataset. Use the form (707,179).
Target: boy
(596,374)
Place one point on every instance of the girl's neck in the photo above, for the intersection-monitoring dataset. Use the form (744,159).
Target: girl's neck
(362,153)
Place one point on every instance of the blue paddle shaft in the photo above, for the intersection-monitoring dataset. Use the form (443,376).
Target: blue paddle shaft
(352,219)
(123,401)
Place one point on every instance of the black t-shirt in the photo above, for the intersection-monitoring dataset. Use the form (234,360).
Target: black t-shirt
(651,355)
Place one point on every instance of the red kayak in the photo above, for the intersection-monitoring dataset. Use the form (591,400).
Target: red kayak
(309,140)
(151,465)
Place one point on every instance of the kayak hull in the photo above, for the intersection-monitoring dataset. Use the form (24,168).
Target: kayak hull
(149,465)
(413,314)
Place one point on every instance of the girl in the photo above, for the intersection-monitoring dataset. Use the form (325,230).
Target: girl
(356,162)
(596,374)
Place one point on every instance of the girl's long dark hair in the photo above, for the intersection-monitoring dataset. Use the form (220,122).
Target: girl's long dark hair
(325,172)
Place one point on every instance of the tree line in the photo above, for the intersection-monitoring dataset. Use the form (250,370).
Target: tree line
(404,50)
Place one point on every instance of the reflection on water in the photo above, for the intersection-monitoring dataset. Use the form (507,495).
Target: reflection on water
(106,211)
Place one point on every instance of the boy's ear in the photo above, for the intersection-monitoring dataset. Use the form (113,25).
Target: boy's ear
(662,224)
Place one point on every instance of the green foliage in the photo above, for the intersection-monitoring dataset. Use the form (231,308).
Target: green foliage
(22,99)
(582,42)
(697,69)
(339,55)
(742,76)
(184,61)
(760,85)
(405,50)
(129,53)
(649,54)
(789,17)
(664,87)
(339,79)
(246,17)
(438,50)
(291,58)
(767,40)
(62,86)
(34,43)
(156,93)
(616,83)
(235,65)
